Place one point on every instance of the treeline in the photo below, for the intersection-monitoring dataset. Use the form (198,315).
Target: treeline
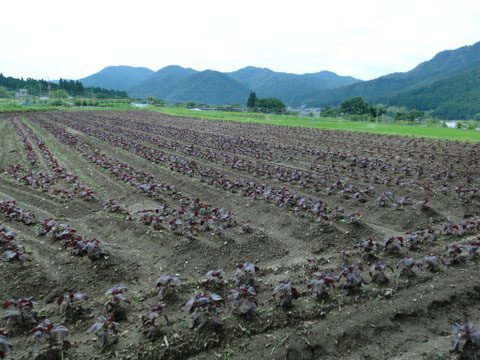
(357,108)
(72,87)
(266,105)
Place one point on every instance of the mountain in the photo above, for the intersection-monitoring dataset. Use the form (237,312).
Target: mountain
(170,83)
(455,97)
(161,83)
(288,87)
(448,62)
(441,66)
(448,84)
(209,87)
(117,77)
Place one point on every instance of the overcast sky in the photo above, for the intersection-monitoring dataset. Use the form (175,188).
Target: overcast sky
(362,38)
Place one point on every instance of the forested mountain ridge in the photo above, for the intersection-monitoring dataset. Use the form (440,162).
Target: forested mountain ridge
(117,77)
(434,85)
(171,83)
(288,87)
(447,85)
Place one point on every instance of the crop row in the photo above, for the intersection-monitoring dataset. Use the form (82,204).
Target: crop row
(281,197)
(370,171)
(10,248)
(61,233)
(39,180)
(204,307)
(31,157)
(189,218)
(324,140)
(329,142)
(243,146)
(350,141)
(59,172)
(284,174)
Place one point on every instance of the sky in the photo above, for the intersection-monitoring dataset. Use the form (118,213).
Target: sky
(68,39)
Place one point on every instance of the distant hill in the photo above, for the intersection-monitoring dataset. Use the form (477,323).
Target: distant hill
(172,83)
(455,97)
(161,83)
(117,77)
(288,87)
(448,84)
(209,87)
(442,66)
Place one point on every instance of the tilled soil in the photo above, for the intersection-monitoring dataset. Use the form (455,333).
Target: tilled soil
(369,187)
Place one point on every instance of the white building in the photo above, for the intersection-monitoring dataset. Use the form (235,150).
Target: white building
(21,93)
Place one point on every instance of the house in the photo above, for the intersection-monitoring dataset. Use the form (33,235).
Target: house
(21,93)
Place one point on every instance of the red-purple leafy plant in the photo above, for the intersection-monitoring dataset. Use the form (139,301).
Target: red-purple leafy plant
(12,250)
(284,294)
(58,232)
(14,213)
(244,301)
(146,216)
(432,262)
(150,329)
(203,311)
(90,248)
(393,245)
(455,254)
(84,193)
(214,279)
(354,218)
(377,272)
(353,279)
(107,330)
(321,284)
(71,240)
(46,226)
(466,340)
(245,274)
(168,286)
(52,334)
(406,266)
(472,247)
(6,235)
(71,305)
(19,313)
(112,206)
(117,301)
(369,250)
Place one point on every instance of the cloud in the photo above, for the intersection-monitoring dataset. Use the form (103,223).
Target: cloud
(361,38)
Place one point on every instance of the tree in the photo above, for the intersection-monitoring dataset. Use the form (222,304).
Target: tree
(155,101)
(4,93)
(378,111)
(271,105)
(58,94)
(356,106)
(409,115)
(330,112)
(252,100)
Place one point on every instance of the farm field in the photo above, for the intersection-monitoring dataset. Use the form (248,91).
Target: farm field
(323,244)
(330,123)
